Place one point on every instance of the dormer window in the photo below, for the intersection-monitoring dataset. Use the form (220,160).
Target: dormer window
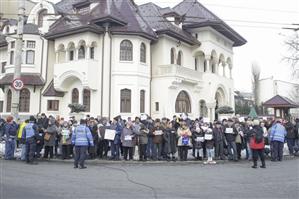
(41,16)
(82,7)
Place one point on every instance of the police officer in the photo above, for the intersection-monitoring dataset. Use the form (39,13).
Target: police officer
(30,133)
(81,138)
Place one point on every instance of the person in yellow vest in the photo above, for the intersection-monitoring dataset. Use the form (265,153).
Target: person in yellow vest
(22,142)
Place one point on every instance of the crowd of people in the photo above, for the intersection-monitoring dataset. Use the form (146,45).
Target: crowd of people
(146,139)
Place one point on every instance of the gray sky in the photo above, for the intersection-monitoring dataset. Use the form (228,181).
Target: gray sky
(265,37)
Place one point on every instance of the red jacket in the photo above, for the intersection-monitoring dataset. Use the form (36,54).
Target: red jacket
(254,145)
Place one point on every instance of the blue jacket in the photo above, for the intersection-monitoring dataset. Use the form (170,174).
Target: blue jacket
(278,133)
(30,131)
(118,128)
(10,130)
(82,136)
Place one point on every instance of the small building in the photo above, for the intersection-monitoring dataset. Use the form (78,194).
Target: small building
(281,106)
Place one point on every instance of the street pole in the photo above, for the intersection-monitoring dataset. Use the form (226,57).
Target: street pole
(18,58)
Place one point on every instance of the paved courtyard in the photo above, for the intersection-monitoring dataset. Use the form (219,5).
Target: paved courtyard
(229,180)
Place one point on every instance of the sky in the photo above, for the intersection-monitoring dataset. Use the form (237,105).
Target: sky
(260,22)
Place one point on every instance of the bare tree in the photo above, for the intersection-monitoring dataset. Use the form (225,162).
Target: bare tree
(292,44)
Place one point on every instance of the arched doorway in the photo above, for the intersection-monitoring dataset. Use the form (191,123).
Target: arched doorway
(182,103)
(220,100)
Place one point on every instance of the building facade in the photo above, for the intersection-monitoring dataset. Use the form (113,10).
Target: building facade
(118,58)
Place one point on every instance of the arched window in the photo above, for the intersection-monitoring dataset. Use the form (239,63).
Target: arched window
(8,101)
(142,101)
(126,50)
(71,51)
(203,109)
(125,101)
(81,52)
(12,57)
(61,54)
(86,99)
(182,104)
(7,29)
(24,100)
(75,96)
(41,16)
(172,55)
(142,53)
(180,56)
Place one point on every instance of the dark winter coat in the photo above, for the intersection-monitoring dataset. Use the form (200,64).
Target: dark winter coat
(52,130)
(142,135)
(231,137)
(218,135)
(170,138)
(253,145)
(195,135)
(290,131)
(158,139)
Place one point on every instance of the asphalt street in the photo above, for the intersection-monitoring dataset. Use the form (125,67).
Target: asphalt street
(229,180)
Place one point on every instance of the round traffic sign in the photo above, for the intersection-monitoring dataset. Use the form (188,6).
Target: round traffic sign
(17,84)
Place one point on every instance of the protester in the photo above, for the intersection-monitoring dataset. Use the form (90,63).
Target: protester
(127,141)
(158,139)
(49,138)
(230,135)
(81,138)
(65,134)
(10,133)
(30,133)
(277,138)
(184,141)
(291,136)
(170,137)
(218,135)
(257,144)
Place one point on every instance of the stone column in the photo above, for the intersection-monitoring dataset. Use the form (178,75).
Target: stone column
(208,63)
(223,65)
(230,71)
(106,75)
(87,56)
(211,111)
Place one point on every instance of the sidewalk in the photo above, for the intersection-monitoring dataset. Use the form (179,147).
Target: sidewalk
(150,162)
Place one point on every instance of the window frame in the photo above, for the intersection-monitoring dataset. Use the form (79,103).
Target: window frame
(143,53)
(126,50)
(24,100)
(183,103)
(8,100)
(52,105)
(33,58)
(87,99)
(75,96)
(142,101)
(125,100)
(12,57)
(81,52)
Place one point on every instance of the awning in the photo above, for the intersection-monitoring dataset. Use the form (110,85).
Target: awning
(28,79)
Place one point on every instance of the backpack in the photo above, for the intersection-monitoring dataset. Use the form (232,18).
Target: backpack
(258,136)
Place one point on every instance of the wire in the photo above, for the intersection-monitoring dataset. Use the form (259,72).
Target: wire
(134,182)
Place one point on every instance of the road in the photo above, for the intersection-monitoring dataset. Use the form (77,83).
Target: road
(229,180)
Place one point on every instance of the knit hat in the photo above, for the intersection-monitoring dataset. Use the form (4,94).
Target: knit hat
(32,118)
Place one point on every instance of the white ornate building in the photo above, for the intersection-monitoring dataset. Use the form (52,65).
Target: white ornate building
(119,58)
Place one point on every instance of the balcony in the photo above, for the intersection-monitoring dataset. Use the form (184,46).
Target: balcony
(180,73)
(86,71)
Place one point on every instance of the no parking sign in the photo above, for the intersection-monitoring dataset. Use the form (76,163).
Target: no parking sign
(17,84)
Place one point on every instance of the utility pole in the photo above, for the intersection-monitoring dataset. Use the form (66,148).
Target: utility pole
(18,58)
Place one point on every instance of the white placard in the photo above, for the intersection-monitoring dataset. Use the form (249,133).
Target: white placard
(200,139)
(206,120)
(208,136)
(242,119)
(158,132)
(128,138)
(204,128)
(229,130)
(109,134)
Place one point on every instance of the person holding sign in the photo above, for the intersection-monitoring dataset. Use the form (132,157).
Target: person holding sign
(127,141)
(198,140)
(158,139)
(218,136)
(184,141)
(115,143)
(209,146)
(230,136)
